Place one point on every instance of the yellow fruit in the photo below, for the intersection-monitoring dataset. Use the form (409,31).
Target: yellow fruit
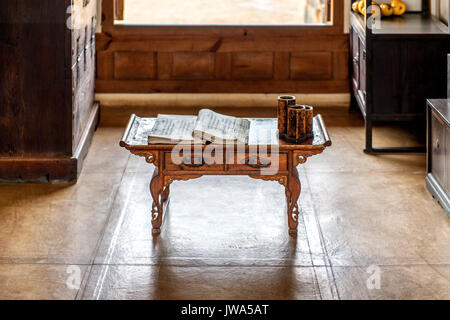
(355,6)
(386,10)
(361,5)
(398,7)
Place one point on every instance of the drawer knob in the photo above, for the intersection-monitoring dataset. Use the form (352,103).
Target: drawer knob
(436,144)
(262,163)
(193,163)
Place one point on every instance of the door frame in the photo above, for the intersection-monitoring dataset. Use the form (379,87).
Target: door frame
(113,10)
(219,51)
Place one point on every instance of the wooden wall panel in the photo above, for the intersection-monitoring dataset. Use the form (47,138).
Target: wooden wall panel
(134,65)
(340,65)
(281,66)
(223,66)
(164,65)
(193,65)
(105,65)
(311,65)
(252,65)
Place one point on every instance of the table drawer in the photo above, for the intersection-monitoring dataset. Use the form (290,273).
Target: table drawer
(192,163)
(255,162)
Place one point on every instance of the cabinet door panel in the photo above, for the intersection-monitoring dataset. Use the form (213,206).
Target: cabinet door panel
(355,58)
(362,68)
(438,149)
(447,160)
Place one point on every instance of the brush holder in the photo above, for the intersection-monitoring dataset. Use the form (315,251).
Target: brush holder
(283,103)
(296,124)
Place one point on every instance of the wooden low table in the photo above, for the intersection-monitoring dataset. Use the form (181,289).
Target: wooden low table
(265,157)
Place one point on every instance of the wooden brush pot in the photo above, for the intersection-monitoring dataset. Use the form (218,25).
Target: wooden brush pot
(283,103)
(296,124)
(309,115)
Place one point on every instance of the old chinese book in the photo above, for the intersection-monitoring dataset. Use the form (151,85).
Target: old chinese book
(207,126)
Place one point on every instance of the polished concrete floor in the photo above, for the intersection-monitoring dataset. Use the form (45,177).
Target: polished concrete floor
(226,237)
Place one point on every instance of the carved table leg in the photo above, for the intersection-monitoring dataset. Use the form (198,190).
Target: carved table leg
(292,193)
(165,193)
(156,190)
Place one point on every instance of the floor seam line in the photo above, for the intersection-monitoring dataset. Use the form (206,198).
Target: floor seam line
(80,293)
(322,242)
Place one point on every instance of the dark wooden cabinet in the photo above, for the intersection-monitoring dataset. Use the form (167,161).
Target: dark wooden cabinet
(47,74)
(438,151)
(395,68)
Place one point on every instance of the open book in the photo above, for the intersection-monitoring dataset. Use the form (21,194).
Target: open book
(207,126)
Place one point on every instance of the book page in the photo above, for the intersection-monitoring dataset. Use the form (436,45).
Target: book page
(241,130)
(215,127)
(263,131)
(172,128)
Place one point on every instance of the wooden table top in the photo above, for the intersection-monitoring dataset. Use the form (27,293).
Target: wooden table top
(263,132)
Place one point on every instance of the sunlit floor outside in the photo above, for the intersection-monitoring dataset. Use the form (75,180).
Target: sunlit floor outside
(227,12)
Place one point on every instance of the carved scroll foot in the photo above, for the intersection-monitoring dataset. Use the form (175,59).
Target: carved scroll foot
(292,194)
(156,190)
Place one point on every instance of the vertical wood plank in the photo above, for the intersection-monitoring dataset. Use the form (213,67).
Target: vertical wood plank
(107,15)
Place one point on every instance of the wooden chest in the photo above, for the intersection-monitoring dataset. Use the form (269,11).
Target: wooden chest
(47,110)
(438,151)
